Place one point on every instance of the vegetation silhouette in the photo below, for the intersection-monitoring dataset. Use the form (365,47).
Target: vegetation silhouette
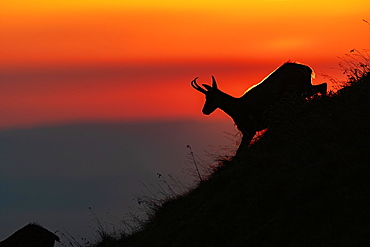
(252,112)
(31,235)
(304,183)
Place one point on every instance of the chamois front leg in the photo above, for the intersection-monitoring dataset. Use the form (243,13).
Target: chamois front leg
(246,140)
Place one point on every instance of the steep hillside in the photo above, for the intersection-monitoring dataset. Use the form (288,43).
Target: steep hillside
(306,182)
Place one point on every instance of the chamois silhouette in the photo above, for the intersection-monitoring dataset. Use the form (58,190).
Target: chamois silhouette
(251,112)
(32,235)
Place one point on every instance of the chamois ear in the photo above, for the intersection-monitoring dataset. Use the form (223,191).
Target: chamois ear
(214,83)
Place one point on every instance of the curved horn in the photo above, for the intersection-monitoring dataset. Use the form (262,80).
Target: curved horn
(195,85)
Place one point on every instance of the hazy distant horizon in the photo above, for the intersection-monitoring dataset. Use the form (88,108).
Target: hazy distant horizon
(53,174)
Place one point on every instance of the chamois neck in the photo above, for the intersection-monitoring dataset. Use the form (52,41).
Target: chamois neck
(228,104)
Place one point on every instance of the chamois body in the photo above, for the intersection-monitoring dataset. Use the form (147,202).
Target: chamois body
(32,235)
(251,111)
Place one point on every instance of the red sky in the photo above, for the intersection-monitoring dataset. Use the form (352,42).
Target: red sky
(74,61)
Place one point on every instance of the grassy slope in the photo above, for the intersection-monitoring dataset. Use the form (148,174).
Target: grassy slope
(305,183)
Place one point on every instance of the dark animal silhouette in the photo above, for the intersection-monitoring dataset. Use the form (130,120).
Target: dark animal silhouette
(32,235)
(251,111)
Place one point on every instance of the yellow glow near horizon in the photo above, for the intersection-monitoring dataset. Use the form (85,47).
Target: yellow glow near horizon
(92,30)
(248,8)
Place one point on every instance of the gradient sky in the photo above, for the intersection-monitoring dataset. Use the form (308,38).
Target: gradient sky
(71,61)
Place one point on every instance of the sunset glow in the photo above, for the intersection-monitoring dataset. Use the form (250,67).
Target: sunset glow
(70,61)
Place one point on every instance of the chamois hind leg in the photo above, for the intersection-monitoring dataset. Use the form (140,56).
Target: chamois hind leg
(314,89)
(321,88)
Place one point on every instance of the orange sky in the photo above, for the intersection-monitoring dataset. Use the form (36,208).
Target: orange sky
(73,61)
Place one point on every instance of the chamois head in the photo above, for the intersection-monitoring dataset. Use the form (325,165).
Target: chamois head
(211,93)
